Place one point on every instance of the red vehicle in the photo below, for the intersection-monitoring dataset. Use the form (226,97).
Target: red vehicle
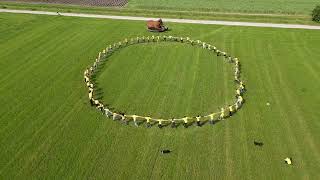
(156,26)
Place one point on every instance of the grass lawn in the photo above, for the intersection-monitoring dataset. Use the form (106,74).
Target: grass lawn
(48,129)
(166,80)
(262,6)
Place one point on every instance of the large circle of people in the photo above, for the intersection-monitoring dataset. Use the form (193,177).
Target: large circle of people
(224,112)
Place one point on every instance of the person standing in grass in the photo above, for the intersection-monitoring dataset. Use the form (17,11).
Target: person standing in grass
(173,123)
(198,120)
(222,114)
(231,110)
(185,121)
(148,119)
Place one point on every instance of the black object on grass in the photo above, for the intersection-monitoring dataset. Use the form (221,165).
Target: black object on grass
(258,143)
(165,151)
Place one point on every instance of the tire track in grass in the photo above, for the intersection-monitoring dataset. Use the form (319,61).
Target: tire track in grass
(164,102)
(87,153)
(297,111)
(58,72)
(29,36)
(282,111)
(130,82)
(194,70)
(243,113)
(147,83)
(150,66)
(46,86)
(168,89)
(220,97)
(230,164)
(262,80)
(164,71)
(49,141)
(40,44)
(32,66)
(178,109)
(38,90)
(300,54)
(24,146)
(154,85)
(51,55)
(105,130)
(94,158)
(308,48)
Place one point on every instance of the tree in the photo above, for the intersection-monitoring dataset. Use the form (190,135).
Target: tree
(316,14)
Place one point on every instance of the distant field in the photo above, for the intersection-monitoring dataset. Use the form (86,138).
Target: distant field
(102,3)
(244,6)
(259,6)
(49,131)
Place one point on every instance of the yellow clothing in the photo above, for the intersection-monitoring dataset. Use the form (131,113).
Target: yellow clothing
(211,116)
(185,119)
(288,161)
(237,106)
(148,119)
(230,108)
(222,113)
(238,92)
(96,102)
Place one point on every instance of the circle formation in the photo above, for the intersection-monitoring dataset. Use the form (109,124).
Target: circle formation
(225,111)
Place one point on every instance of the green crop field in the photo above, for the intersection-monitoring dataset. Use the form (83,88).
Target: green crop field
(49,131)
(262,6)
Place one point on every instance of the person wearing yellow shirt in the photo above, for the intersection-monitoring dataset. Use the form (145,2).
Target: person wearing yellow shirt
(239,101)
(222,114)
(211,116)
(236,106)
(242,89)
(148,119)
(236,78)
(238,92)
(108,113)
(185,121)
(134,118)
(173,123)
(231,110)
(100,107)
(114,116)
(160,123)
(86,72)
(288,160)
(198,120)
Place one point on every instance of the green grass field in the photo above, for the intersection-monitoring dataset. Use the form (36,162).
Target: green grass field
(165,80)
(262,6)
(48,129)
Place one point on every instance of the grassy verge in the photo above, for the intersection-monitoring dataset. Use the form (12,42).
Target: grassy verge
(49,131)
(270,18)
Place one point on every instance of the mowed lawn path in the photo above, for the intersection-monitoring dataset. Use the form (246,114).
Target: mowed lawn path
(48,129)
